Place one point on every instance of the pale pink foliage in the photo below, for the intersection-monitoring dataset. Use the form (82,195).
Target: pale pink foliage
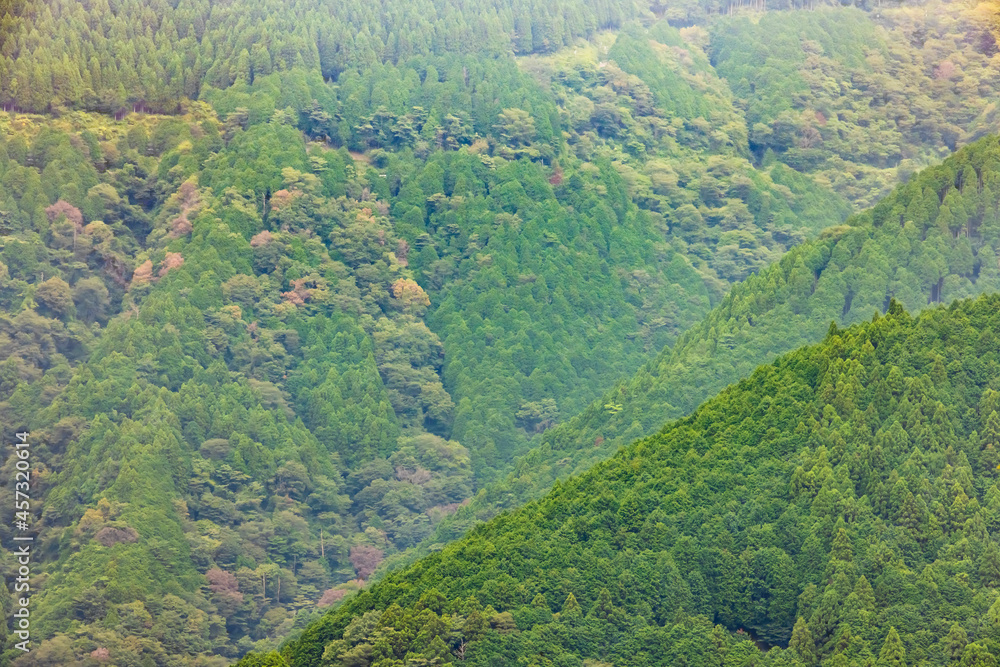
(263,238)
(330,596)
(365,559)
(71,212)
(170,262)
(143,273)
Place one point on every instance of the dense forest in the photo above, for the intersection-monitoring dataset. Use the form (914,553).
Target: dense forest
(909,248)
(838,507)
(285,285)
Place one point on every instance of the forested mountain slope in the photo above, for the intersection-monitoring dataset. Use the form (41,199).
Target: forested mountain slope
(839,505)
(861,101)
(216,337)
(284,284)
(932,240)
(199,442)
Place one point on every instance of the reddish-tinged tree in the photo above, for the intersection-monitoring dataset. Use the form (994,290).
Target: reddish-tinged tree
(143,274)
(330,596)
(365,559)
(170,262)
(261,239)
(71,212)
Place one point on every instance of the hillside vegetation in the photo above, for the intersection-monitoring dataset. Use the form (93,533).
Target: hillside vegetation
(283,285)
(837,507)
(910,247)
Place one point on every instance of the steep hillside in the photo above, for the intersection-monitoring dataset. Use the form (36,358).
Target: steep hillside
(199,387)
(284,284)
(237,403)
(838,507)
(932,240)
(861,101)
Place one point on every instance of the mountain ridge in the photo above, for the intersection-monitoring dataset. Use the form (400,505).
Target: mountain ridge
(779,438)
(269,340)
(789,304)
